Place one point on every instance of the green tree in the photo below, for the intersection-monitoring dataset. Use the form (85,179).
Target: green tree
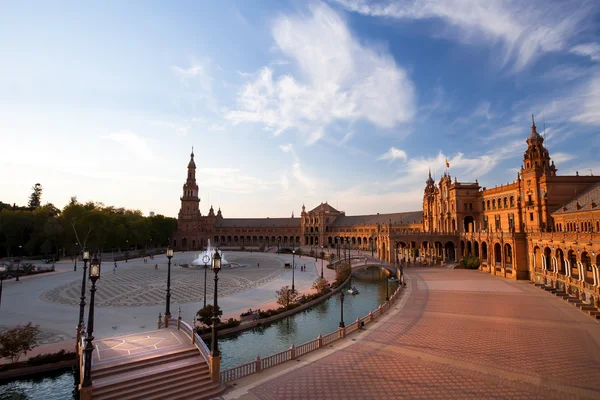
(205,314)
(286,296)
(320,285)
(35,199)
(18,341)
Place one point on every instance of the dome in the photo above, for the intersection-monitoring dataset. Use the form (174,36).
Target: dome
(192,164)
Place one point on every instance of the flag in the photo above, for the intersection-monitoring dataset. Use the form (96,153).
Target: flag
(447,163)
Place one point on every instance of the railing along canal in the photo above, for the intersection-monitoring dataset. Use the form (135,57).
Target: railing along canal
(259,364)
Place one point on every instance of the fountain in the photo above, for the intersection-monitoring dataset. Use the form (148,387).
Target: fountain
(206,257)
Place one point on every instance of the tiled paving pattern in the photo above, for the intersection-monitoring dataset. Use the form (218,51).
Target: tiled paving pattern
(505,340)
(127,288)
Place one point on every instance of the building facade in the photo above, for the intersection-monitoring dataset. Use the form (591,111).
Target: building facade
(542,226)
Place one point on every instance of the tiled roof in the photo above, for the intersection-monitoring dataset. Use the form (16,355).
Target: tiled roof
(397,218)
(585,199)
(324,207)
(258,222)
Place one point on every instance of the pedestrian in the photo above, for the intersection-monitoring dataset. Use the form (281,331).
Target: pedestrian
(257,265)
(155,266)
(114,269)
(115,264)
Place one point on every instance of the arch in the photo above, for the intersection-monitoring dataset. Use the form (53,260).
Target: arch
(586,262)
(235,239)
(450,251)
(484,251)
(505,205)
(453,225)
(560,261)
(497,254)
(508,256)
(330,240)
(216,239)
(184,243)
(547,258)
(476,249)
(306,240)
(469,224)
(222,239)
(461,249)
(512,201)
(573,264)
(488,205)
(228,239)
(469,248)
(311,241)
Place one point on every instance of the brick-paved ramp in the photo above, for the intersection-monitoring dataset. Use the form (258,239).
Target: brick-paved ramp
(461,335)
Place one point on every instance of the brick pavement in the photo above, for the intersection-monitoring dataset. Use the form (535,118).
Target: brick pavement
(460,335)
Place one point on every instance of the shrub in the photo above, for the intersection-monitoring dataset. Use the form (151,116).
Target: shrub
(343,272)
(320,285)
(285,296)
(18,341)
(470,262)
(205,314)
(50,358)
(231,323)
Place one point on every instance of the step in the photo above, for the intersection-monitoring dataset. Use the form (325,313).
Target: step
(181,378)
(131,363)
(549,288)
(593,313)
(139,378)
(574,301)
(586,307)
(164,389)
(202,395)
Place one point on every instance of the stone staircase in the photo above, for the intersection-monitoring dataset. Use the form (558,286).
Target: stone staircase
(179,373)
(586,308)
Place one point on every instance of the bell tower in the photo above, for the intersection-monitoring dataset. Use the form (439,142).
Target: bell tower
(189,212)
(429,204)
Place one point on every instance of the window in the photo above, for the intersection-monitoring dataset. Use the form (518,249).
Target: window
(485,223)
(483,205)
(511,222)
(531,216)
(505,202)
(512,201)
(498,223)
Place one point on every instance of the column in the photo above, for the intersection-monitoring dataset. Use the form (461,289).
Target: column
(568,268)
(534,260)
(456,255)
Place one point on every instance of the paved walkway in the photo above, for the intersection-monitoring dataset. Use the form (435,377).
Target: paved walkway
(461,334)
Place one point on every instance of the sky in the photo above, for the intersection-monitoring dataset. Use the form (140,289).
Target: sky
(290,102)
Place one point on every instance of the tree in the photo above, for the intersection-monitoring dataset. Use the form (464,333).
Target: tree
(320,285)
(18,341)
(286,296)
(35,199)
(205,314)
(342,273)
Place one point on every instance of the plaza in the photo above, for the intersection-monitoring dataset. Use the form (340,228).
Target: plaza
(130,299)
(457,334)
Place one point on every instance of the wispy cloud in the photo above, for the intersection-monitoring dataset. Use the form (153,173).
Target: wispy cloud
(525,30)
(393,154)
(591,50)
(342,81)
(286,148)
(559,158)
(198,80)
(132,143)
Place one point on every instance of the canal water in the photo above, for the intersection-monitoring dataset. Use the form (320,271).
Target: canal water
(245,346)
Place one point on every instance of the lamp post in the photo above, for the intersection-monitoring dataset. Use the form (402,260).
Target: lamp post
(19,264)
(387,285)
(168,306)
(322,262)
(2,277)
(293,268)
(75,262)
(89,348)
(342,309)
(86,256)
(216,267)
(205,260)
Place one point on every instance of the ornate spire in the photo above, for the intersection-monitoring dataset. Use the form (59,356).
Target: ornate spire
(192,164)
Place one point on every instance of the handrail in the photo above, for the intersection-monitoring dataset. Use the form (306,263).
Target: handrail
(194,337)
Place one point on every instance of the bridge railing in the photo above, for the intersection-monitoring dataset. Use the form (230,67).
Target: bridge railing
(193,336)
(273,360)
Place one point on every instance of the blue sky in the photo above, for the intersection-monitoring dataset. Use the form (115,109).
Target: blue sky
(285,103)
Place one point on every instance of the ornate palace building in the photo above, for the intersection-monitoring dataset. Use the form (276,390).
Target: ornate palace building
(543,226)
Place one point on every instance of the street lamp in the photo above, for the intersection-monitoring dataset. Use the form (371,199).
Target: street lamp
(89,348)
(75,262)
(387,285)
(322,253)
(293,268)
(205,259)
(3,274)
(342,309)
(86,256)
(19,264)
(216,267)
(168,307)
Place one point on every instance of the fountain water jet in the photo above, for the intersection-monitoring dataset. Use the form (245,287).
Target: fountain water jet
(209,252)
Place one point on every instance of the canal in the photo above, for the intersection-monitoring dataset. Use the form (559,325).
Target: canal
(243,347)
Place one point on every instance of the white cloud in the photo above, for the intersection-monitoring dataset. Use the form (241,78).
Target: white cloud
(587,109)
(591,50)
(559,158)
(286,148)
(231,180)
(524,29)
(133,143)
(198,80)
(340,80)
(393,154)
(178,129)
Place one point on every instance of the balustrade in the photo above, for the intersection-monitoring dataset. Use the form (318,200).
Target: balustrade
(293,352)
